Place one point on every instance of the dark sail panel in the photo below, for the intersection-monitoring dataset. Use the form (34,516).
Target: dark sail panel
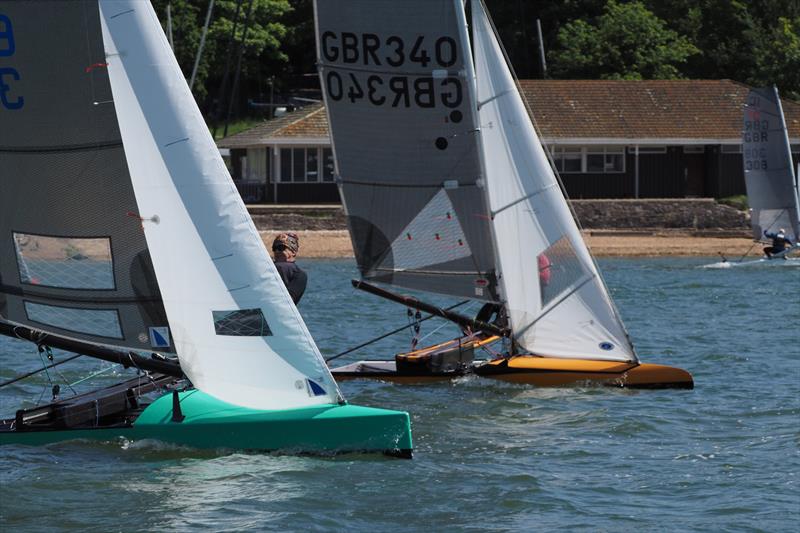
(401,115)
(73,257)
(768,170)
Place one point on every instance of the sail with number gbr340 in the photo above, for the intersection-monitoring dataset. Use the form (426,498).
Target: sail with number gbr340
(445,182)
(122,234)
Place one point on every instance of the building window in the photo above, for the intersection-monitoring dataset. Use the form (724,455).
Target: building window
(605,159)
(694,149)
(327,161)
(731,148)
(254,165)
(302,165)
(568,159)
(590,159)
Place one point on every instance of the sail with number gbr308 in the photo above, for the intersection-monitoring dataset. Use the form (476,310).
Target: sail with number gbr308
(444,179)
(772,186)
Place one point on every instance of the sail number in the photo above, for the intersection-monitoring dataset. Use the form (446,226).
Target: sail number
(353,83)
(755,159)
(8,74)
(396,91)
(370,49)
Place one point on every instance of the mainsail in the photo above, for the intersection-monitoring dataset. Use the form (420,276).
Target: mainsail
(397,95)
(73,258)
(120,222)
(772,191)
(418,128)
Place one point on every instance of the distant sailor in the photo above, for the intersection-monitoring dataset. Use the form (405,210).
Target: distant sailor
(284,249)
(780,243)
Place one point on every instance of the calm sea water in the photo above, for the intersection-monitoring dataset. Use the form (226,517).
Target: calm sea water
(489,456)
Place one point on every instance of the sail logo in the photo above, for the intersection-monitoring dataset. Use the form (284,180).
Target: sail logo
(159,337)
(8,74)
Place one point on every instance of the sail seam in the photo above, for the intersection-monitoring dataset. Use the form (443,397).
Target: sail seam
(439,272)
(405,186)
(18,291)
(394,72)
(56,149)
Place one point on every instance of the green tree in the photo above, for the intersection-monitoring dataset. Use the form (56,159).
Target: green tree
(262,56)
(779,62)
(626,42)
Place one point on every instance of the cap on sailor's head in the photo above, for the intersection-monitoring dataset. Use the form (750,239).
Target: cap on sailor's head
(288,240)
(781,230)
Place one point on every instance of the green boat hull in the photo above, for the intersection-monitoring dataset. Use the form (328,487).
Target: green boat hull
(211,423)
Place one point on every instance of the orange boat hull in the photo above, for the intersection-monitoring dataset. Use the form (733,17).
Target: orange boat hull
(555,372)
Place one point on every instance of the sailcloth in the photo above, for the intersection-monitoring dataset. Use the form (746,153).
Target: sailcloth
(238,335)
(557,303)
(772,190)
(72,261)
(396,92)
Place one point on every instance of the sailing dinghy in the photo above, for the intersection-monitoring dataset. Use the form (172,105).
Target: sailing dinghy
(447,190)
(773,193)
(123,238)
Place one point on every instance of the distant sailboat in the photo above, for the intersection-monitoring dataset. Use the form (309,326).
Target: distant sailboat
(122,235)
(772,185)
(773,194)
(448,190)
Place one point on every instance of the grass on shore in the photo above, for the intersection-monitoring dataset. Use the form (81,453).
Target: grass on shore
(737,202)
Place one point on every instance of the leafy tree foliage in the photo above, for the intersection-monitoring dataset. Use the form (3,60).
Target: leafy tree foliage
(262,57)
(753,41)
(626,42)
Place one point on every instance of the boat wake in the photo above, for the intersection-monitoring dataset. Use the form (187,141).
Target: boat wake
(763,262)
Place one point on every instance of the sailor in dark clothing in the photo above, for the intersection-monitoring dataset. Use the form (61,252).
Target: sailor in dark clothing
(779,243)
(284,250)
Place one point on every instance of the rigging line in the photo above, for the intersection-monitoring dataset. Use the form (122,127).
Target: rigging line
(398,330)
(90,376)
(29,374)
(523,198)
(440,326)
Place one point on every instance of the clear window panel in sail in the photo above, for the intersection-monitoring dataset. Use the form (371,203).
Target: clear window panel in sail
(65,262)
(241,323)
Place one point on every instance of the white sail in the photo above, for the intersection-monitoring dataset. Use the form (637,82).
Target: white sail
(237,333)
(557,304)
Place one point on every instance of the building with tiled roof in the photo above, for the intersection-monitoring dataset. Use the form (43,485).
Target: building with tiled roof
(608,139)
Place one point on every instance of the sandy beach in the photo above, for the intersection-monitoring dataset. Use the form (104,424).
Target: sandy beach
(336,243)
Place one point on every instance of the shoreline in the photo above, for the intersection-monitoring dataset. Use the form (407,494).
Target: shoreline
(608,243)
